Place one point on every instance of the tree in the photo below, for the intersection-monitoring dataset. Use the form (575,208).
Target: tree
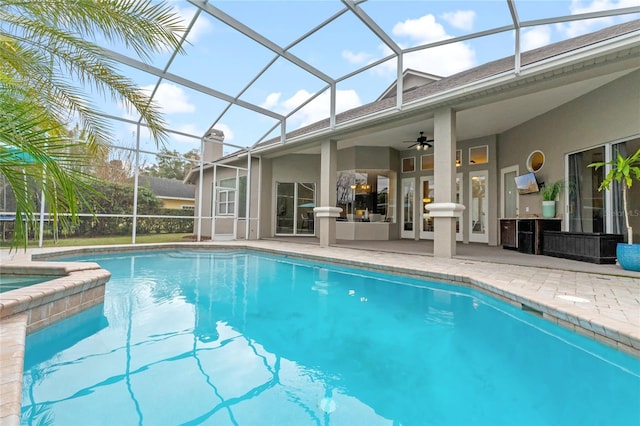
(49,70)
(624,171)
(173,165)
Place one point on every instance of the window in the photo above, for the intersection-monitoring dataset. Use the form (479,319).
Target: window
(226,197)
(408,165)
(362,193)
(479,154)
(426,162)
(226,202)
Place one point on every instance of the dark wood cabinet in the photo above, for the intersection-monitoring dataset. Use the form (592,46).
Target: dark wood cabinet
(508,234)
(526,235)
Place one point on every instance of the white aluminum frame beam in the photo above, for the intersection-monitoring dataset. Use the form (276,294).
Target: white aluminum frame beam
(259,38)
(150,69)
(516,24)
(373,26)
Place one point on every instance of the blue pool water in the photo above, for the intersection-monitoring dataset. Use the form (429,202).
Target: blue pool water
(13,282)
(250,339)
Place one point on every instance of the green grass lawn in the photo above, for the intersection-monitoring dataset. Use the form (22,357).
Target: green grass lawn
(124,239)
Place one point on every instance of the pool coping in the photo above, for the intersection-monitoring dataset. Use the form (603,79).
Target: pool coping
(519,288)
(75,287)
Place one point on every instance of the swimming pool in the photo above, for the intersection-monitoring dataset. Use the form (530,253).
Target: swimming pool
(12,282)
(244,338)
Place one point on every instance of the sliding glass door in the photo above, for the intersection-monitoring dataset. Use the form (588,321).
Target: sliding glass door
(586,203)
(294,203)
(592,210)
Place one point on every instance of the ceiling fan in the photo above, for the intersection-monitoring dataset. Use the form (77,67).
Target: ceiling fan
(422,142)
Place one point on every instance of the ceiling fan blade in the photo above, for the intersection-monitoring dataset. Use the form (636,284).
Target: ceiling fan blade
(411,146)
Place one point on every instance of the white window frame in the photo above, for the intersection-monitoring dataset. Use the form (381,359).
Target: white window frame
(226,198)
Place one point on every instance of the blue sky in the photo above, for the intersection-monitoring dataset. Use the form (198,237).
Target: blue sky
(221,58)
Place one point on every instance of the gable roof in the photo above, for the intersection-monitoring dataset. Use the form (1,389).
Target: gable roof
(411,79)
(168,188)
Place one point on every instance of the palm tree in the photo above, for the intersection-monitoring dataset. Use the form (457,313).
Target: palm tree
(49,69)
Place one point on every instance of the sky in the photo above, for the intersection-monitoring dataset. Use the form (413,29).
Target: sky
(220,58)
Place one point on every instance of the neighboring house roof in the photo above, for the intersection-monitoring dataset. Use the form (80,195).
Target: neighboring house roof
(168,188)
(445,85)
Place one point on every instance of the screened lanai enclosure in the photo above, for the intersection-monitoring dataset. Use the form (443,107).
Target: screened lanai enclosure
(251,75)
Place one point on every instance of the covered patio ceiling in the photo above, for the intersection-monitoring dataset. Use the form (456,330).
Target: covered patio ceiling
(225,99)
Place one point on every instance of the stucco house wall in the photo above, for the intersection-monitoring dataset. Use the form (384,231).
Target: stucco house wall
(610,113)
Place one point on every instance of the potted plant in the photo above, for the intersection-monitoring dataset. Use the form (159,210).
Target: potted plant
(549,194)
(624,170)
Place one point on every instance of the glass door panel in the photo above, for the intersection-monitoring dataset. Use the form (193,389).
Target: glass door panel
(285,214)
(305,202)
(586,203)
(618,224)
(478,206)
(408,191)
(459,198)
(427,196)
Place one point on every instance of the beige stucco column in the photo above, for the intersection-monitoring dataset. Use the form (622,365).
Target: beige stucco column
(326,212)
(445,210)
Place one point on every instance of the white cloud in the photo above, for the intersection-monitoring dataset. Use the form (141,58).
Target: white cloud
(461,19)
(442,60)
(318,109)
(356,58)
(576,28)
(422,30)
(171,99)
(201,27)
(535,37)
(229,136)
(188,128)
(271,101)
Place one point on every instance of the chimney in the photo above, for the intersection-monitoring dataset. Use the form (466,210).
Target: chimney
(212,149)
